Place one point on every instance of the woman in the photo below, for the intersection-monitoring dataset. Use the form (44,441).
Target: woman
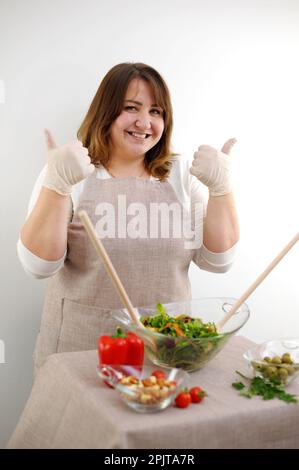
(122,161)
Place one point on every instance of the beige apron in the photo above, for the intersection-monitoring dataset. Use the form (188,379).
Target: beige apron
(80,296)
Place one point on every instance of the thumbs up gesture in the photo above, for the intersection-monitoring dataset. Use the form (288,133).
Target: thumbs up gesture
(212,167)
(67,165)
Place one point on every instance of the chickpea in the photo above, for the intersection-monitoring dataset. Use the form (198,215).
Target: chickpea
(161,382)
(125,380)
(145,398)
(148,382)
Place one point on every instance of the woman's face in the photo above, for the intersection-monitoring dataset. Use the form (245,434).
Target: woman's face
(143,117)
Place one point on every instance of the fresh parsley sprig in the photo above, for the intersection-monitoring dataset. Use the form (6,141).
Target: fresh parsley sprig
(265,388)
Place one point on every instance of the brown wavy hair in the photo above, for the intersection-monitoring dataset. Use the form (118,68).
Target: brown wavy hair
(107,105)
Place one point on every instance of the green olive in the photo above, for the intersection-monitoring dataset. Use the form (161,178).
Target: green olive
(286,358)
(276,360)
(282,373)
(267,359)
(270,371)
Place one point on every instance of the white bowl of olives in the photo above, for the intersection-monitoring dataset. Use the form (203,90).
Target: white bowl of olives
(277,360)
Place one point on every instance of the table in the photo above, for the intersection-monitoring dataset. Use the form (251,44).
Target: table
(70,408)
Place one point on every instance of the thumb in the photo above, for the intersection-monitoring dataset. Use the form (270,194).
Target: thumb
(51,144)
(228,145)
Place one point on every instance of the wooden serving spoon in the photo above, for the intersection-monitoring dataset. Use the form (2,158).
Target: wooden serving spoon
(109,268)
(258,281)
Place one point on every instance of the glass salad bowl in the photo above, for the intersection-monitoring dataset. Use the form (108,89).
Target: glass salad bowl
(183,334)
(144,388)
(276,360)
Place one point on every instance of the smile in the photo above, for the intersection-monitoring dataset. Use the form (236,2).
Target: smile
(138,135)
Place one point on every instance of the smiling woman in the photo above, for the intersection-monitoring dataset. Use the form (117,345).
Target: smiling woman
(123,162)
(129,123)
(135,131)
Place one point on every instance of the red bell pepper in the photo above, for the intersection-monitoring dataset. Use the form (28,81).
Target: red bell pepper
(121,349)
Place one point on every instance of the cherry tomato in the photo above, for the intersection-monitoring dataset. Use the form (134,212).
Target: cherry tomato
(183,399)
(159,374)
(197,394)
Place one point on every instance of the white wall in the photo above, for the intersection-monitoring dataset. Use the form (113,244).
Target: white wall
(232,69)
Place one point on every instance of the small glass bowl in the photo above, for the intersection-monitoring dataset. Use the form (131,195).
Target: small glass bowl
(189,354)
(262,360)
(150,396)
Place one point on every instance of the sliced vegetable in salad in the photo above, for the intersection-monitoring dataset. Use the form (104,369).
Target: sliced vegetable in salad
(180,325)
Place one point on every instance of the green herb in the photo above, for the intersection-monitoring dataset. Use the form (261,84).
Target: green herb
(266,388)
(238,385)
(160,308)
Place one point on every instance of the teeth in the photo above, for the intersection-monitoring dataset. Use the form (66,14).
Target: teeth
(140,136)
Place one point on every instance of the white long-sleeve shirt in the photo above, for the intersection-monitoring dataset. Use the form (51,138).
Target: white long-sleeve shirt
(188,190)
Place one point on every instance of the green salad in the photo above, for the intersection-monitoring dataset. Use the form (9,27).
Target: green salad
(180,325)
(188,343)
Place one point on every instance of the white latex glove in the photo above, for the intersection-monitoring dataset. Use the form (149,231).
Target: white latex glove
(212,168)
(67,165)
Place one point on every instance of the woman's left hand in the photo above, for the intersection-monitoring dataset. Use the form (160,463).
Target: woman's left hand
(212,167)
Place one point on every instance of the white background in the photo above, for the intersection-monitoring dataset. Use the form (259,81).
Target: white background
(232,70)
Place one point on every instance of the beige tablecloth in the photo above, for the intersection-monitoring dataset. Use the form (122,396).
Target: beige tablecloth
(69,407)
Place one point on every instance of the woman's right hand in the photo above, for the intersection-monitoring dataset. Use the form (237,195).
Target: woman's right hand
(67,165)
